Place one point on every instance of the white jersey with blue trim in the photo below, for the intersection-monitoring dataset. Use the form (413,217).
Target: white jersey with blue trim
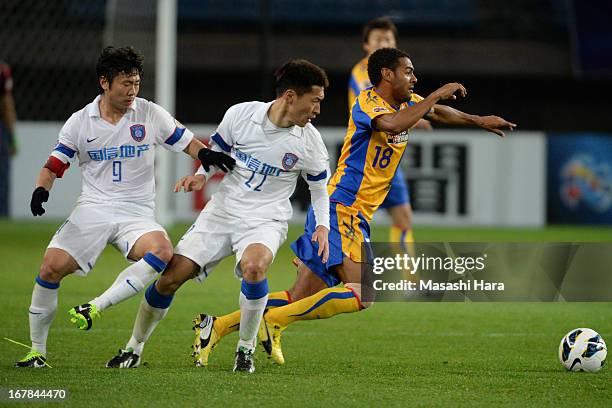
(117,161)
(269,160)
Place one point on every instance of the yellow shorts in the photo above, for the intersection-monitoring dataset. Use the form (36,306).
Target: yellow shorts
(349,235)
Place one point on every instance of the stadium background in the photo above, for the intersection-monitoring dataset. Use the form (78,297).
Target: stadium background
(544,64)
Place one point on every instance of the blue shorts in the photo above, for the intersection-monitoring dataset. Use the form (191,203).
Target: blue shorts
(348,231)
(398,193)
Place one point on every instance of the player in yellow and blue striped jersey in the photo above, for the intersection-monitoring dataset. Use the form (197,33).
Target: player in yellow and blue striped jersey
(380,33)
(373,146)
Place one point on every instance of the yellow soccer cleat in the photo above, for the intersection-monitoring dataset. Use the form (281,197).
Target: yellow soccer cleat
(82,316)
(270,339)
(33,359)
(206,339)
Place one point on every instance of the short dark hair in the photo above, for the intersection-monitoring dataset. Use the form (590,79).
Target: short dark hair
(113,61)
(379,23)
(383,58)
(299,75)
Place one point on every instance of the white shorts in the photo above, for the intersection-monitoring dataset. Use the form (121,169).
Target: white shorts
(215,236)
(90,227)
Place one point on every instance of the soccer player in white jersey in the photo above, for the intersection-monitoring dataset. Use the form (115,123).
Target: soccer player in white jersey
(273,144)
(114,138)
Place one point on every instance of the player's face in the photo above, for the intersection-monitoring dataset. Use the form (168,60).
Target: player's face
(403,80)
(307,106)
(377,39)
(123,90)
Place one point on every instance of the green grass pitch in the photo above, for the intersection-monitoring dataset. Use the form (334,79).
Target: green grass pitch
(395,354)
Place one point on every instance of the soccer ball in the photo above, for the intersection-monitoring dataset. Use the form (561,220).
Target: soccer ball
(582,350)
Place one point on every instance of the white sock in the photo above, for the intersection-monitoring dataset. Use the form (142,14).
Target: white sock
(251,312)
(147,319)
(129,282)
(42,311)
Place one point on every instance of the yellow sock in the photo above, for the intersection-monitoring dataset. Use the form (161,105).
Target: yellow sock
(278,299)
(409,241)
(404,237)
(322,305)
(395,234)
(229,323)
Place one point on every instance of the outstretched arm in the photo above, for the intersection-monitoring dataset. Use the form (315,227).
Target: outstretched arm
(451,116)
(193,148)
(423,124)
(397,122)
(209,157)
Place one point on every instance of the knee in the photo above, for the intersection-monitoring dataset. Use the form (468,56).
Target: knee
(163,251)
(365,297)
(253,270)
(50,272)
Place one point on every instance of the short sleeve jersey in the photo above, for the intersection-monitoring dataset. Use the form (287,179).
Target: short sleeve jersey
(117,161)
(269,160)
(369,157)
(358,81)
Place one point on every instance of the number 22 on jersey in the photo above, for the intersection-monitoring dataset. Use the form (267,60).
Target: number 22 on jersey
(251,181)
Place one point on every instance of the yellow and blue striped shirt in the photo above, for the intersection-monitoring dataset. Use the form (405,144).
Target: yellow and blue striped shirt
(369,157)
(358,81)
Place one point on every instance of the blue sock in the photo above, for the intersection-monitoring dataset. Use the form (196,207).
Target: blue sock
(46,284)
(156,299)
(255,290)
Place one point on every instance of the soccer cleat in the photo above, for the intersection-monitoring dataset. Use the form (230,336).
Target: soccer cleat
(264,338)
(124,359)
(270,338)
(33,359)
(206,339)
(83,315)
(244,360)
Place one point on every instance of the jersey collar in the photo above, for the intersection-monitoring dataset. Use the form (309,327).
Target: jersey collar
(259,116)
(93,110)
(387,104)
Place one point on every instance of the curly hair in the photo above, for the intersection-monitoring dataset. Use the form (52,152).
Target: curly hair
(299,75)
(383,58)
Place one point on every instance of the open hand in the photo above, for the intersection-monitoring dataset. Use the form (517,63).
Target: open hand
(320,237)
(495,124)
